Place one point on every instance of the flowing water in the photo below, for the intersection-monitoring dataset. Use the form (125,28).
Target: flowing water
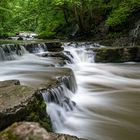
(135,33)
(106,104)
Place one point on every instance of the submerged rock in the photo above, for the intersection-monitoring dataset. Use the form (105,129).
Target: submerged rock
(31,131)
(18,103)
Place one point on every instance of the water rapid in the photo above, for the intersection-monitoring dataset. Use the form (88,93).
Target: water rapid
(106,105)
(103,105)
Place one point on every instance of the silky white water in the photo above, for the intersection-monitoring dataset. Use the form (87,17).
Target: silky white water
(107,100)
(106,105)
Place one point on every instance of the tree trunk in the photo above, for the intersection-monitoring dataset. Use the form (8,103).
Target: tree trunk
(65,15)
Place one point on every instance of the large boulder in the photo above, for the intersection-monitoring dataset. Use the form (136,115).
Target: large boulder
(32,131)
(23,103)
(18,103)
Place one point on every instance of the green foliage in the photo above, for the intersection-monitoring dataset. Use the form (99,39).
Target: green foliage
(115,34)
(8,134)
(121,13)
(46,35)
(37,113)
(51,18)
(120,54)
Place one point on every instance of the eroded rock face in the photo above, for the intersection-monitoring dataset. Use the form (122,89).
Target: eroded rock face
(117,54)
(54,47)
(31,131)
(49,46)
(19,103)
(63,56)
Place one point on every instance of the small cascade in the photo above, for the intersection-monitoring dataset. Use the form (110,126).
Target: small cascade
(85,55)
(62,92)
(70,57)
(58,95)
(58,115)
(36,48)
(59,104)
(105,106)
(69,82)
(11,51)
(81,52)
(134,33)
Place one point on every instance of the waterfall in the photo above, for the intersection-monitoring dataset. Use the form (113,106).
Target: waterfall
(11,52)
(69,82)
(134,33)
(58,99)
(36,48)
(105,103)
(81,52)
(97,101)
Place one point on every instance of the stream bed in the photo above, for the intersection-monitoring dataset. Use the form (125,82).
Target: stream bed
(106,104)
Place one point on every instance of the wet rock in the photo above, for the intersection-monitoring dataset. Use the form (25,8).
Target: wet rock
(62,55)
(32,131)
(22,103)
(41,47)
(117,54)
(122,41)
(26,35)
(57,77)
(10,51)
(18,103)
(54,47)
(9,83)
(20,38)
(35,47)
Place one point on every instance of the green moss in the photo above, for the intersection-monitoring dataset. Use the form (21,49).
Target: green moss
(37,113)
(46,35)
(8,135)
(134,53)
(115,35)
(109,55)
(117,55)
(29,103)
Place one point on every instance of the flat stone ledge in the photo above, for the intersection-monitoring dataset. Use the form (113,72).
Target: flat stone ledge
(117,54)
(18,103)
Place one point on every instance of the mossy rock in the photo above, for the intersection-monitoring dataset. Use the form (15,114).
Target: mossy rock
(117,54)
(54,46)
(32,131)
(18,103)
(109,55)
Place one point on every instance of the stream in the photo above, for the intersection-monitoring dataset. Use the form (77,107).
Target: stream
(106,104)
